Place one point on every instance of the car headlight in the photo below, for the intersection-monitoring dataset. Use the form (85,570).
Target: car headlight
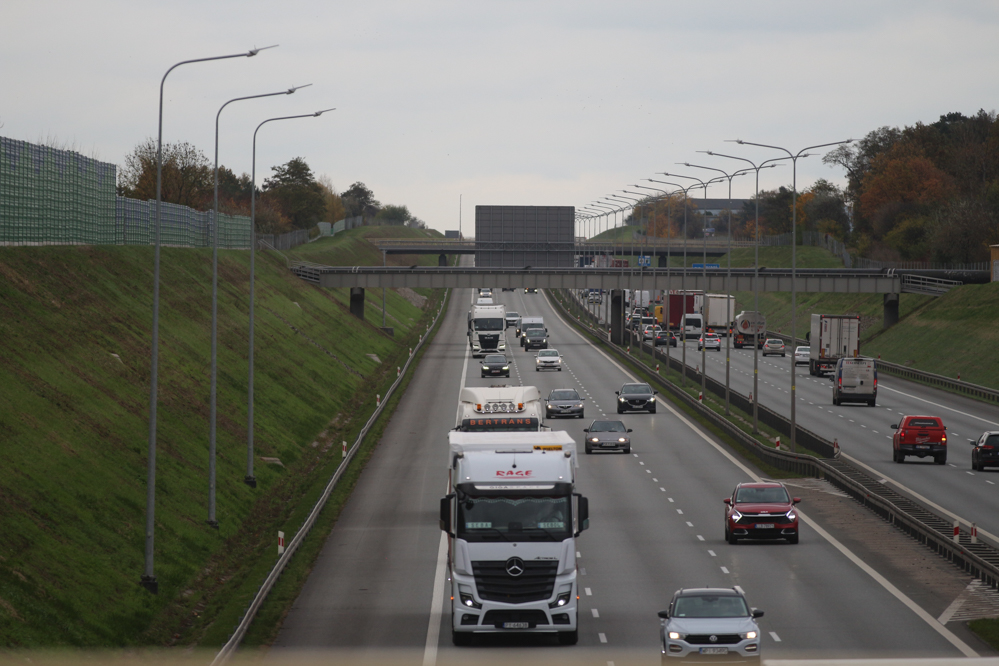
(620,399)
(652,399)
(736,515)
(506,367)
(677,636)
(791,515)
(579,405)
(748,635)
(622,440)
(594,439)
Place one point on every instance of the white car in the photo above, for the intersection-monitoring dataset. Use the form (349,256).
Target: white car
(802,355)
(651,331)
(709,341)
(548,359)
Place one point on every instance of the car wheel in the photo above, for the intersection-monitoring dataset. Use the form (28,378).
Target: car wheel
(461,638)
(537,369)
(581,415)
(940,460)
(872,403)
(974,464)
(792,539)
(899,457)
(652,410)
(627,449)
(620,411)
(589,449)
(732,539)
(560,369)
(568,637)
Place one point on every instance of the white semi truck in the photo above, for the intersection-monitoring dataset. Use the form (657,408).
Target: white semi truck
(512,517)
(500,408)
(486,329)
(719,312)
(832,337)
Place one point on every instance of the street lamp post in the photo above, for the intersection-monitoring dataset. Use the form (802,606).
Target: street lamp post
(669,224)
(148,579)
(794,244)
(606,211)
(756,279)
(728,276)
(683,276)
(704,272)
(215,307)
(250,479)
(631,271)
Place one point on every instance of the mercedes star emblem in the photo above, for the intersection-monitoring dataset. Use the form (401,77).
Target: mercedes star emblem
(515,566)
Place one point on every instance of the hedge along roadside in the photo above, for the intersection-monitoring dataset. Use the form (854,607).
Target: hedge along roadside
(981,559)
(229,648)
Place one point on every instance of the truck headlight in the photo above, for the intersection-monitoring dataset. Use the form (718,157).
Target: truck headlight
(564,595)
(465,595)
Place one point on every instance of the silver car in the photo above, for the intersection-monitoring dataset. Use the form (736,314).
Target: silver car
(607,436)
(564,402)
(709,625)
(548,359)
(802,355)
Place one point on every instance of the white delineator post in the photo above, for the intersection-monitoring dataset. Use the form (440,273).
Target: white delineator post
(280,542)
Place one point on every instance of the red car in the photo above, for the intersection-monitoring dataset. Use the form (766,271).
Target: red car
(920,436)
(761,511)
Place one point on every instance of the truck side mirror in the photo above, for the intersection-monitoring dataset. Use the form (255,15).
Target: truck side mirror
(583,505)
(446,513)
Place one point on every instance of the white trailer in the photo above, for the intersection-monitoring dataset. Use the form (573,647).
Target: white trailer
(500,408)
(487,329)
(512,517)
(832,337)
(719,312)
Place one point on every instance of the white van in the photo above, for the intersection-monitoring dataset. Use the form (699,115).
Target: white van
(692,325)
(855,380)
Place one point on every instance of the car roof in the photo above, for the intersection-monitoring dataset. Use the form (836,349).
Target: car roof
(761,484)
(700,591)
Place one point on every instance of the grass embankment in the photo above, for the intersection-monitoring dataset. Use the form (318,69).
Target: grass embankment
(74,384)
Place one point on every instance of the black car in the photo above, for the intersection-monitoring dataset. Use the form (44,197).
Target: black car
(535,338)
(530,290)
(986,451)
(564,402)
(665,337)
(636,397)
(495,365)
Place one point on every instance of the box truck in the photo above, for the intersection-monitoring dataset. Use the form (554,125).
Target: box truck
(832,337)
(719,312)
(679,305)
(512,516)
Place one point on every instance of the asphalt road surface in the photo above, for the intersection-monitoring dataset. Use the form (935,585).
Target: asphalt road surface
(656,525)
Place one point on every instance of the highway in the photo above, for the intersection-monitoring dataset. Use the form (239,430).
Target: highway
(656,525)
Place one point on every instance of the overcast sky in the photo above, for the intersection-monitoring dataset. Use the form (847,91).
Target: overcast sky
(503,102)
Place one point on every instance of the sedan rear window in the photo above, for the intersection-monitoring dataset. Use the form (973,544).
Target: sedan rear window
(774,495)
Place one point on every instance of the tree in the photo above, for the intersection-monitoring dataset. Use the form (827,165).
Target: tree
(900,186)
(295,191)
(390,214)
(187,175)
(334,204)
(775,210)
(825,210)
(234,192)
(359,200)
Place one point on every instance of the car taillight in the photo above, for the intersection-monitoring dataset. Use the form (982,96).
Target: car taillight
(901,433)
(875,383)
(841,382)
(943,440)
(986,448)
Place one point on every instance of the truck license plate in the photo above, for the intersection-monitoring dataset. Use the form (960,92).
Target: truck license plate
(516,625)
(764,526)
(714,650)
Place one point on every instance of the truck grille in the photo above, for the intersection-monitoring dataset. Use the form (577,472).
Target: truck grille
(495,584)
(498,617)
(488,341)
(720,639)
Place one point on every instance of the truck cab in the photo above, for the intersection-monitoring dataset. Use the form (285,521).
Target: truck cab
(512,517)
(487,329)
(500,408)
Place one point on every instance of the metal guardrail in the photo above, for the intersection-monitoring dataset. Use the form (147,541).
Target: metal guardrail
(931,286)
(980,559)
(258,599)
(958,386)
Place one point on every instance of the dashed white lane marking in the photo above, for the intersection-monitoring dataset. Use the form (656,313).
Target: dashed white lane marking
(664,490)
(670,499)
(724,570)
(970,473)
(648,471)
(773,635)
(603,638)
(739,589)
(680,511)
(655,480)
(700,538)
(989,482)
(582,571)
(712,553)
(641,463)
(577,554)
(595,612)
(690,524)
(589,593)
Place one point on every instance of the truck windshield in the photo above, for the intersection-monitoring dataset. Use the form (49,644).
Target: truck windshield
(489,324)
(514,518)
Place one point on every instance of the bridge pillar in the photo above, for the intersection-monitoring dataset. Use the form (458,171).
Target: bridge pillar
(357,302)
(663,259)
(442,260)
(617,316)
(891,310)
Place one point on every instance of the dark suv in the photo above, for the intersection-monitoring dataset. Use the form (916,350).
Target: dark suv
(535,338)
(636,397)
(986,451)
(761,511)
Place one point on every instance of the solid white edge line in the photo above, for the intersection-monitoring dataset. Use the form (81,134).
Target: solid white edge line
(964,648)
(437,601)
(921,498)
